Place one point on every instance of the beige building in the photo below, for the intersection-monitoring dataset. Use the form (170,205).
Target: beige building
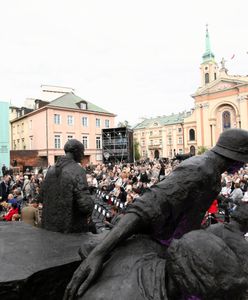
(221,102)
(161,136)
(49,125)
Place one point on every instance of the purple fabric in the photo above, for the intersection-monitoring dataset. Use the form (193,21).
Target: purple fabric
(180,230)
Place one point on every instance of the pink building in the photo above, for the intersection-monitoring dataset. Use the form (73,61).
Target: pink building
(47,128)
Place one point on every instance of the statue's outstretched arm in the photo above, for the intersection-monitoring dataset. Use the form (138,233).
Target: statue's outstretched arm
(92,265)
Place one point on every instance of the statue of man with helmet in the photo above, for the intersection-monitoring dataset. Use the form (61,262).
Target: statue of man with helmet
(173,207)
(67,202)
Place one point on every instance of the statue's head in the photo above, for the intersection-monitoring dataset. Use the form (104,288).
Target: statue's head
(233,144)
(240,215)
(76,148)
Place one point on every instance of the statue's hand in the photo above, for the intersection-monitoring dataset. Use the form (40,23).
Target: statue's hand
(83,276)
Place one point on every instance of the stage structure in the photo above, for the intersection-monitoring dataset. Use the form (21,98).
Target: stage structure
(117,145)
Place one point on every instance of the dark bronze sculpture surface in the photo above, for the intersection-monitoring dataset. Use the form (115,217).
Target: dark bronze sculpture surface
(36,264)
(66,199)
(170,209)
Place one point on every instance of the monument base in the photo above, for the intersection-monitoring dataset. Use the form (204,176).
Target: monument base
(36,263)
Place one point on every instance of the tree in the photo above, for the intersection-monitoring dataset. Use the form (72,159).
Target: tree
(124,124)
(201,150)
(136,150)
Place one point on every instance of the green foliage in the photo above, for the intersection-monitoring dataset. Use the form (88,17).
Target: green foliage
(124,124)
(136,150)
(201,150)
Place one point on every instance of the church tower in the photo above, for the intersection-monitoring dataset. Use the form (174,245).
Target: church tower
(209,68)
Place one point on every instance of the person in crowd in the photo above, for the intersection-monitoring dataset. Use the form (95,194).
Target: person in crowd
(19,181)
(26,189)
(29,214)
(143,176)
(11,199)
(227,189)
(33,184)
(115,217)
(171,208)
(19,199)
(5,188)
(13,211)
(4,170)
(161,171)
(236,195)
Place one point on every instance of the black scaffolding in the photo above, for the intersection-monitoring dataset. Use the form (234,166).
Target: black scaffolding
(117,145)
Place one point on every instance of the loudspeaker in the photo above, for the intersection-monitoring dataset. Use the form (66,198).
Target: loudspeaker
(117,145)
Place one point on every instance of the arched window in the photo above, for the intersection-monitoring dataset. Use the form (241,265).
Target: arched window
(206,78)
(226,120)
(191,135)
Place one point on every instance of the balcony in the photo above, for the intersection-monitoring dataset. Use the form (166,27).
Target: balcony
(155,146)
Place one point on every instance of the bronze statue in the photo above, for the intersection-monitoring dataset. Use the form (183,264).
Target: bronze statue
(67,202)
(170,209)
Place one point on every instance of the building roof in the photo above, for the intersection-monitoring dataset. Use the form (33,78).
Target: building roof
(162,121)
(70,100)
(208,54)
(213,86)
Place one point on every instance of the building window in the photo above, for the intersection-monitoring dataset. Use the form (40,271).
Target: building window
(160,132)
(57,141)
(70,120)
(160,142)
(98,142)
(150,133)
(98,122)
(215,77)
(180,151)
(180,140)
(191,135)
(69,137)
(206,78)
(151,142)
(169,131)
(143,142)
(143,134)
(106,123)
(30,124)
(85,121)
(83,105)
(57,119)
(144,153)
(30,142)
(85,141)
(179,129)
(169,140)
(226,120)
(98,156)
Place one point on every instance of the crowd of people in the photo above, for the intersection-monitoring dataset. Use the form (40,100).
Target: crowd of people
(116,185)
(19,195)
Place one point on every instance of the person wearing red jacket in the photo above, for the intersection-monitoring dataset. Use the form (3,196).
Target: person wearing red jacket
(13,211)
(213,209)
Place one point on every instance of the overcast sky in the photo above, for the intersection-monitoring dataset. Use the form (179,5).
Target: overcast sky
(135,58)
